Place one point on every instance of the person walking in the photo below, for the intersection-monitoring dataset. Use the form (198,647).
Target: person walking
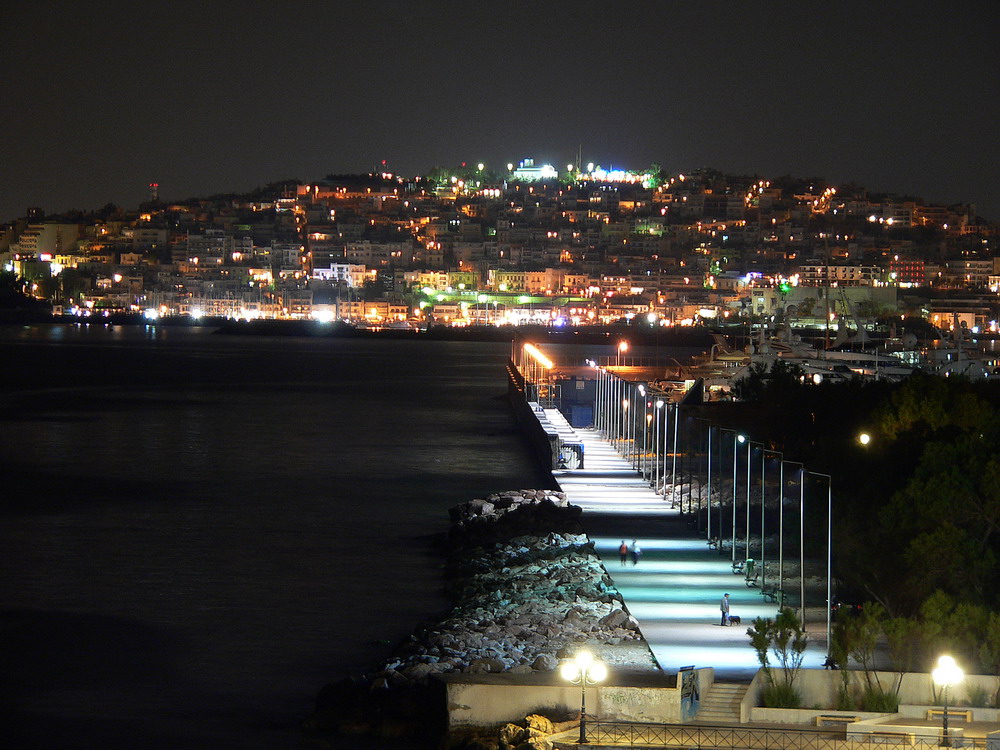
(623,552)
(724,606)
(635,552)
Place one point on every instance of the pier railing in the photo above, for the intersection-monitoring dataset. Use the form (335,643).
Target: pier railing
(758,738)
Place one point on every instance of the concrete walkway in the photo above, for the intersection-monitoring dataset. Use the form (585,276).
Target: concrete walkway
(675,589)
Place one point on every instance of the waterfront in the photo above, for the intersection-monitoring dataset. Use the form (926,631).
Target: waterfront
(200,531)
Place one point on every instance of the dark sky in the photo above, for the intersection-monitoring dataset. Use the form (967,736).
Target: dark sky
(208,97)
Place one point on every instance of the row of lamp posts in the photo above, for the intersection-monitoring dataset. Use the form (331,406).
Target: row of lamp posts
(624,409)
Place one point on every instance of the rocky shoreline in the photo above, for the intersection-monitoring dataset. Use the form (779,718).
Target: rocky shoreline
(527,590)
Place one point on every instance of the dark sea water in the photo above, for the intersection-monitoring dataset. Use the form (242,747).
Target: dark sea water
(199,531)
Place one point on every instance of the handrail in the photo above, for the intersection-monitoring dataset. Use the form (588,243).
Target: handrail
(744,736)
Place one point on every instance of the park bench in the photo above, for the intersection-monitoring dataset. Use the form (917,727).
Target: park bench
(737,566)
(825,720)
(771,594)
(953,713)
(713,543)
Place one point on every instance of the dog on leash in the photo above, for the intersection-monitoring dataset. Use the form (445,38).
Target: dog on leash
(735,620)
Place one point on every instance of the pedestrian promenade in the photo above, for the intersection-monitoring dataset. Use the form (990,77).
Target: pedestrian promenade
(675,589)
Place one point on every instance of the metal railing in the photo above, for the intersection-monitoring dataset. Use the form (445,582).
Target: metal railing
(759,738)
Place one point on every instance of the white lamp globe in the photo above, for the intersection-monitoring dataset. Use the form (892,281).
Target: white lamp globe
(569,671)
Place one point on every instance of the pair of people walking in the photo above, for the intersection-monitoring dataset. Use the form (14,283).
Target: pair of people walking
(625,552)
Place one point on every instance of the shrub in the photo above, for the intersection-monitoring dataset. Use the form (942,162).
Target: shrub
(879,701)
(977,696)
(845,701)
(780,695)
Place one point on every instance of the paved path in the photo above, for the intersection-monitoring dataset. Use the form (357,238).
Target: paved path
(675,589)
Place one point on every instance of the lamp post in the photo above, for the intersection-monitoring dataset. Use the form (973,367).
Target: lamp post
(829,552)
(946,674)
(781,536)
(622,348)
(763,510)
(737,439)
(708,477)
(656,458)
(583,670)
(623,448)
(673,463)
(645,451)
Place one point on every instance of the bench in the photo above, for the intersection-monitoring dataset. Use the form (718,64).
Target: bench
(885,738)
(713,543)
(738,566)
(824,720)
(953,713)
(771,594)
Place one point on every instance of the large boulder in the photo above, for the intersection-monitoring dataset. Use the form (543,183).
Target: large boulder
(545,663)
(616,618)
(539,723)
(511,736)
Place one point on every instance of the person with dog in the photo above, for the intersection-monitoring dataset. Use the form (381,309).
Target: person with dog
(724,606)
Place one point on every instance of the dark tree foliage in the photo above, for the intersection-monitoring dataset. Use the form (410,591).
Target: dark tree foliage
(918,509)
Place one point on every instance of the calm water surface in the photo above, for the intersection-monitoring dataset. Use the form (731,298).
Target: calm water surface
(199,531)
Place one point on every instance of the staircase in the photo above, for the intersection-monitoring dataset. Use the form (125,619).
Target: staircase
(722,704)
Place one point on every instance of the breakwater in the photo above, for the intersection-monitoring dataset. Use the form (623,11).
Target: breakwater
(528,590)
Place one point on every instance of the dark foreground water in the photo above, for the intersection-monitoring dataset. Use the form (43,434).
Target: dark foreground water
(197,532)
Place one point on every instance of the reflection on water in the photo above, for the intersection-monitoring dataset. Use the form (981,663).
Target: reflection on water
(200,531)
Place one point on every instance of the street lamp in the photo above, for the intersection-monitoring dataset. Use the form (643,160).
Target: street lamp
(864,438)
(656,457)
(622,348)
(737,438)
(946,674)
(583,670)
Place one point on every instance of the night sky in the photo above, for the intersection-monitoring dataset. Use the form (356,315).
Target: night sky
(210,97)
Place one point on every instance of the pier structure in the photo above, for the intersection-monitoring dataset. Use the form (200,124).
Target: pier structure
(711,511)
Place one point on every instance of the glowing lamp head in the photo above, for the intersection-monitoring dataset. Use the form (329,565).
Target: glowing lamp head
(741,438)
(864,438)
(570,671)
(947,672)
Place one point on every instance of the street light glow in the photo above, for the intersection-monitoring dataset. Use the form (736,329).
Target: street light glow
(538,356)
(864,438)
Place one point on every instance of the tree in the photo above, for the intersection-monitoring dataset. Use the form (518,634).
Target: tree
(785,640)
(950,513)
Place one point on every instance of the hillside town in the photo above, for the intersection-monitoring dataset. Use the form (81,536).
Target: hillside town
(525,244)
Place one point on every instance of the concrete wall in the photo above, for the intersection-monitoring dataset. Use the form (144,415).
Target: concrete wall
(819,687)
(473,703)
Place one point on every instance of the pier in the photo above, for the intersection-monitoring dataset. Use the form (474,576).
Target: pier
(695,501)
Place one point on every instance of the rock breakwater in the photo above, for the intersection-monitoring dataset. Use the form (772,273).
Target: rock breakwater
(527,590)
